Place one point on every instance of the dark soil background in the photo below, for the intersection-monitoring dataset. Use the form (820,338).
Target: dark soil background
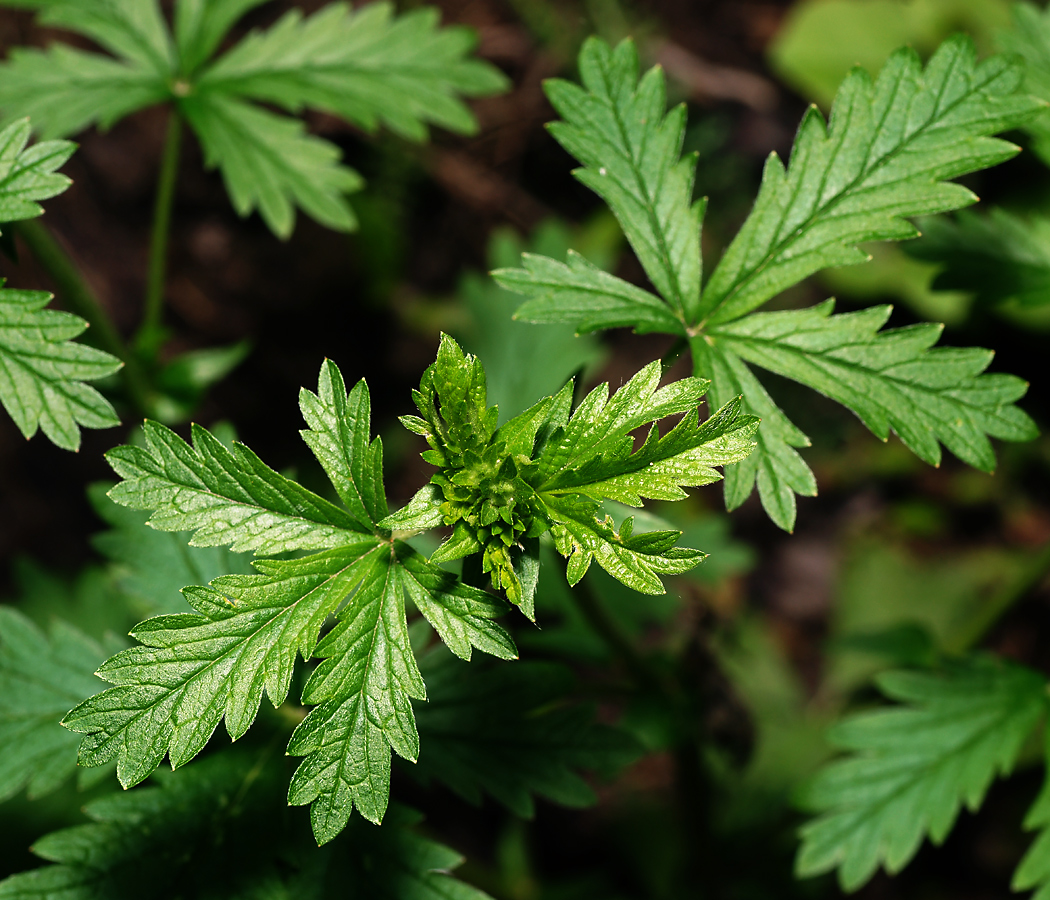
(427,212)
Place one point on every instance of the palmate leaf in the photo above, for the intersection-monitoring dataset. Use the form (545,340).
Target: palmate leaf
(41,676)
(915,766)
(369,67)
(887,154)
(28,175)
(192,670)
(366,66)
(43,373)
(999,257)
(196,834)
(507,732)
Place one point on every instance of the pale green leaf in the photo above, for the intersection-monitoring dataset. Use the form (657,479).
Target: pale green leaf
(885,155)
(618,127)
(194,670)
(42,372)
(269,163)
(637,561)
(367,66)
(41,677)
(226,497)
(914,766)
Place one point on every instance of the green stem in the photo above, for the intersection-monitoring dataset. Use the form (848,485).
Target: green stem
(1027,580)
(78,297)
(149,336)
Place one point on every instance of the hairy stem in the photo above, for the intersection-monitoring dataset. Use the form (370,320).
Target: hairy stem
(150,335)
(78,297)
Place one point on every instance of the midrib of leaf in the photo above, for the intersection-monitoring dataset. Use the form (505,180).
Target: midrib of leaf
(678,306)
(846,190)
(240,644)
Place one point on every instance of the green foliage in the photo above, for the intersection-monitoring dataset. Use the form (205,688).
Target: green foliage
(1033,872)
(193,670)
(546,470)
(506,731)
(1030,38)
(999,257)
(194,835)
(886,154)
(42,372)
(914,766)
(366,66)
(41,676)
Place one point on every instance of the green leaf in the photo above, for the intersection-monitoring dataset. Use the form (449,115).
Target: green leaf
(998,257)
(892,379)
(637,561)
(617,127)
(506,731)
(463,616)
(775,464)
(269,162)
(581,294)
(885,155)
(134,30)
(596,441)
(914,766)
(28,175)
(365,685)
(1030,39)
(340,437)
(662,466)
(1033,871)
(197,834)
(200,26)
(152,567)
(194,670)
(366,66)
(226,497)
(67,90)
(41,676)
(42,372)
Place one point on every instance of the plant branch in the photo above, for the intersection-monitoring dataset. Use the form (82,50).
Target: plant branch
(78,297)
(149,336)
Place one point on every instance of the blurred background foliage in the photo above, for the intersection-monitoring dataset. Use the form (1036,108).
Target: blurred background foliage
(725,686)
